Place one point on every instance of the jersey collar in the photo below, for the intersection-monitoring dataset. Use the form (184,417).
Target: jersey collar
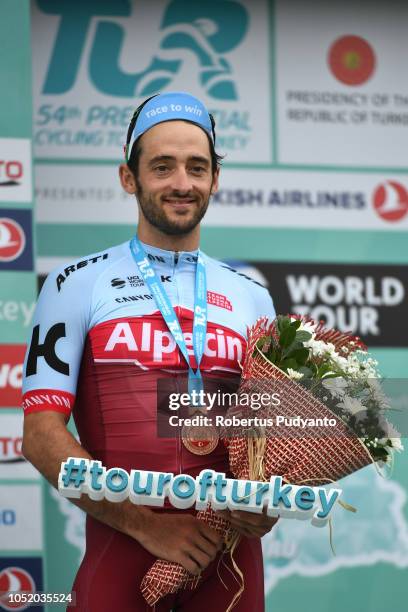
(169,258)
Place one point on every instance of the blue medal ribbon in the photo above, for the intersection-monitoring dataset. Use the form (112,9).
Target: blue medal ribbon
(195,380)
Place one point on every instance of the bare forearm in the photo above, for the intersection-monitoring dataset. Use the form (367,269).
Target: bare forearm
(47,449)
(174,537)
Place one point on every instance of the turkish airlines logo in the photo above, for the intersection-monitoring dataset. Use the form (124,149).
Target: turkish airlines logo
(18,580)
(11,374)
(148,344)
(12,239)
(10,173)
(390,201)
(351,60)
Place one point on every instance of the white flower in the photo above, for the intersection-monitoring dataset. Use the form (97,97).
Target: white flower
(294,375)
(377,393)
(397,444)
(336,386)
(308,326)
(351,404)
(318,347)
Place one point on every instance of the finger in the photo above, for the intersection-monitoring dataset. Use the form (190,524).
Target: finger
(208,548)
(201,558)
(189,564)
(210,534)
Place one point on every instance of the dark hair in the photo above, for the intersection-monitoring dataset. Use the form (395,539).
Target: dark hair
(134,157)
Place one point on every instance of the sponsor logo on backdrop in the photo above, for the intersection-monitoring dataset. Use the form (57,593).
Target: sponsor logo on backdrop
(12,239)
(390,201)
(21,516)
(16,248)
(10,449)
(11,172)
(15,170)
(20,574)
(366,300)
(350,108)
(15,579)
(12,311)
(11,372)
(195,46)
(351,60)
(291,198)
(7,517)
(46,350)
(208,31)
(13,464)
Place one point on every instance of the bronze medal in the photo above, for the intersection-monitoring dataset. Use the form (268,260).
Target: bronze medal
(200,439)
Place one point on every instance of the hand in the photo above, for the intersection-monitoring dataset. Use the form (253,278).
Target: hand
(181,538)
(249,524)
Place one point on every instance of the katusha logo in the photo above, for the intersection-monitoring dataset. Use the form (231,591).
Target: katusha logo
(390,201)
(12,239)
(207,31)
(11,173)
(352,60)
(15,579)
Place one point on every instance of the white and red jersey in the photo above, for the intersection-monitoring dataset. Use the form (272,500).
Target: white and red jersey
(99,343)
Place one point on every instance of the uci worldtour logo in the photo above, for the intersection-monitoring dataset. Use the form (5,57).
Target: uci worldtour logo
(390,201)
(207,31)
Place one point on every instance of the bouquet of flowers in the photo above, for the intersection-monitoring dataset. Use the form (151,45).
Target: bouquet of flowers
(319,374)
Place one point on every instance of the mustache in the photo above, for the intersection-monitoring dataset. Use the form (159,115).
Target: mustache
(181,195)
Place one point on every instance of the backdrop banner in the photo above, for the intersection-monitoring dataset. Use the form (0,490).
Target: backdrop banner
(311,106)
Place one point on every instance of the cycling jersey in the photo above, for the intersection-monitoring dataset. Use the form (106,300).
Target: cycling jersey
(99,344)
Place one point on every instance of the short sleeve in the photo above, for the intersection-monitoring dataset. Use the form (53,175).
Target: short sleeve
(55,346)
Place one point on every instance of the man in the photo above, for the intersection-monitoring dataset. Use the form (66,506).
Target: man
(101,337)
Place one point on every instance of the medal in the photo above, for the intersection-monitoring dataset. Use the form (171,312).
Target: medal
(199,439)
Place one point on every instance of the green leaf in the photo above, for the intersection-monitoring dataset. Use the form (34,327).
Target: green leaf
(303,336)
(272,355)
(307,372)
(301,355)
(283,322)
(287,337)
(296,323)
(289,363)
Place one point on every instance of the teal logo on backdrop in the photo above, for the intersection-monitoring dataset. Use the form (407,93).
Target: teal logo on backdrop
(208,29)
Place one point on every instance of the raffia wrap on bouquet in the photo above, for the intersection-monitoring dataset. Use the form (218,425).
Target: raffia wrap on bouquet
(314,460)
